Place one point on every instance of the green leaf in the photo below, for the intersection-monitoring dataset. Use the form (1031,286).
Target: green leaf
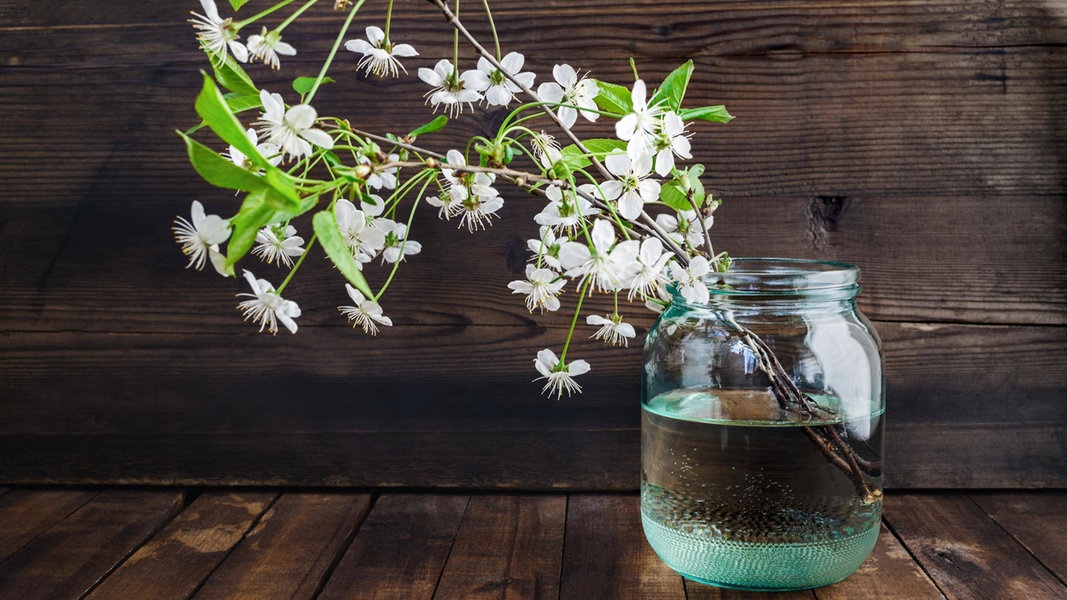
(693,174)
(286,197)
(714,114)
(219,171)
(673,196)
(573,159)
(303,85)
(333,243)
(604,146)
(437,124)
(672,90)
(238,103)
(212,108)
(614,98)
(237,4)
(253,215)
(233,77)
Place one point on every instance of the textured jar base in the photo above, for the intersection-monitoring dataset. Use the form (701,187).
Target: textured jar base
(759,566)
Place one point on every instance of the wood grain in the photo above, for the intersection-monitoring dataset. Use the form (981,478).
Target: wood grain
(26,513)
(967,554)
(178,559)
(606,555)
(698,591)
(291,549)
(923,141)
(1037,520)
(507,546)
(69,559)
(400,550)
(889,572)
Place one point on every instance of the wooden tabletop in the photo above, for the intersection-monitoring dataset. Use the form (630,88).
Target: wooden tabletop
(133,543)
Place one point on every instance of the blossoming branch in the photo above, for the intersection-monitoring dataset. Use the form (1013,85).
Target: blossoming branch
(622,215)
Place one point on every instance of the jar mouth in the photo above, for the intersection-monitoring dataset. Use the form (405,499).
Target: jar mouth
(785,276)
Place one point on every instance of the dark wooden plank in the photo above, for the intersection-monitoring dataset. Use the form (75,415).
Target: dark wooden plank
(606,555)
(889,572)
(507,546)
(70,558)
(1038,520)
(400,550)
(177,560)
(291,550)
(965,552)
(26,513)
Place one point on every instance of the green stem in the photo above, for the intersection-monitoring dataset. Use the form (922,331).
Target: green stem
(333,51)
(299,261)
(574,321)
(295,15)
(411,217)
(264,13)
(388,21)
(492,27)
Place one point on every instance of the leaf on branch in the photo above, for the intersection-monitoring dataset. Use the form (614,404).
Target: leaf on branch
(714,114)
(219,171)
(673,195)
(614,98)
(601,147)
(437,124)
(233,77)
(238,103)
(672,90)
(303,85)
(237,4)
(254,214)
(216,113)
(333,243)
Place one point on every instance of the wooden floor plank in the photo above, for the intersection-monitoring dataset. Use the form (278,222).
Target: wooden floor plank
(889,572)
(25,513)
(177,560)
(68,559)
(965,552)
(607,556)
(1038,520)
(400,550)
(291,549)
(508,546)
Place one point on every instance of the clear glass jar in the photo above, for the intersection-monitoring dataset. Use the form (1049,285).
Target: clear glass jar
(762,429)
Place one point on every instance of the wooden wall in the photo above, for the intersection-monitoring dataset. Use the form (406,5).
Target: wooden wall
(924,140)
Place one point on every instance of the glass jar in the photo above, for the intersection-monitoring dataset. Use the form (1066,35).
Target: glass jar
(761,435)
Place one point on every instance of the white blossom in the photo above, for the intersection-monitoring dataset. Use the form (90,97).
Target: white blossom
(569,90)
(540,287)
(670,141)
(450,89)
(638,128)
(217,35)
(604,262)
(690,280)
(366,313)
(267,150)
(685,227)
(495,85)
(291,130)
(612,329)
(266,307)
(560,375)
(565,213)
(379,54)
(546,248)
(267,46)
(397,246)
(381,178)
(363,239)
(278,244)
(632,189)
(647,274)
(200,238)
(477,210)
(546,149)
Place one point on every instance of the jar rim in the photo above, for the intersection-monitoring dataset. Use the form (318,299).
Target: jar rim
(785,276)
